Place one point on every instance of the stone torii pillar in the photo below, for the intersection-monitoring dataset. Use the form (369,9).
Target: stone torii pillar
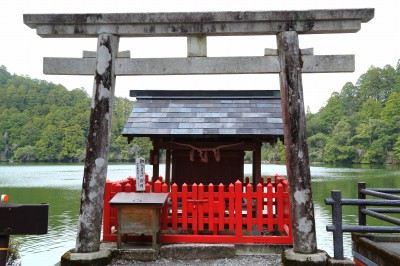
(297,160)
(288,61)
(96,161)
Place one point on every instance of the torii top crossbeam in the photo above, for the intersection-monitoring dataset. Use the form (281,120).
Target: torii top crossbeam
(204,23)
(288,60)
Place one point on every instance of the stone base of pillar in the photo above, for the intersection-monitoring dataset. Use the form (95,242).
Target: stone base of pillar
(290,258)
(100,258)
(345,262)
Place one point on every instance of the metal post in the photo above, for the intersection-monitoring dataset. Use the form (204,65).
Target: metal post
(362,218)
(337,224)
(4,241)
(297,160)
(96,161)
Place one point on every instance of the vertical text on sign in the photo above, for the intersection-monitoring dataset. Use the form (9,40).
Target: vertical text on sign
(140,170)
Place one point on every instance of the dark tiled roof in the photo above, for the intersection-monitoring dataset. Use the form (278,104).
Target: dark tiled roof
(214,113)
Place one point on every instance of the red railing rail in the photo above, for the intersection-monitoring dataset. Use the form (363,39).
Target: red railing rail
(213,213)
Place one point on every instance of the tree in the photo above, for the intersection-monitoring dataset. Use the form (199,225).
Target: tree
(377,152)
(49,145)
(316,144)
(396,149)
(350,98)
(370,109)
(25,154)
(338,148)
(72,144)
(373,141)
(332,113)
(277,152)
(391,111)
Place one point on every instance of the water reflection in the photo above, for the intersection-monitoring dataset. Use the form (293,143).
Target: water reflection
(59,185)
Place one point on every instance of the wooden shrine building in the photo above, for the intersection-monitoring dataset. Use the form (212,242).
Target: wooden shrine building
(205,133)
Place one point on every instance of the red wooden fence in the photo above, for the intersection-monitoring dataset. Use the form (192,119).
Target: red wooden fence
(214,214)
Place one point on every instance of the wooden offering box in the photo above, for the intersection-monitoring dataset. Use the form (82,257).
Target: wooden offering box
(139,214)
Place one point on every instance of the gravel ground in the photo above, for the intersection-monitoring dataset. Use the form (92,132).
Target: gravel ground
(270,260)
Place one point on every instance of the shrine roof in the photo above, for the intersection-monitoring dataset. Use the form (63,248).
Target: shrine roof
(205,113)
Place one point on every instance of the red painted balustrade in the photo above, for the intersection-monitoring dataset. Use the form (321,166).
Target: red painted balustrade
(200,213)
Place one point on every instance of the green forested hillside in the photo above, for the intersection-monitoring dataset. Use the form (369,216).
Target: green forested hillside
(41,121)
(361,124)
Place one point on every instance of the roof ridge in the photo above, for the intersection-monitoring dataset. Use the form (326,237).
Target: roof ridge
(205,94)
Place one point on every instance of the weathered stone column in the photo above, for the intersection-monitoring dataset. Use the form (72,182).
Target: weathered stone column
(297,161)
(96,162)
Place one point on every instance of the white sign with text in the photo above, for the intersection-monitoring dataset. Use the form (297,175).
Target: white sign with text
(140,170)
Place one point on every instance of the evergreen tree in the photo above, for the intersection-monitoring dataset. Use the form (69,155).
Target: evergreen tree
(42,121)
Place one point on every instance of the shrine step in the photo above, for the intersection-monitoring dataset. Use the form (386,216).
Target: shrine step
(197,251)
(139,252)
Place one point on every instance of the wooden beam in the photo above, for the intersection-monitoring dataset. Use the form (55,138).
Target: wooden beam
(257,165)
(156,164)
(198,65)
(246,146)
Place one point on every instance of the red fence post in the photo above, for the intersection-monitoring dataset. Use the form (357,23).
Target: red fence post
(287,207)
(107,211)
(116,188)
(221,207)
(148,188)
(134,185)
(128,187)
(157,186)
(184,207)
(130,180)
(260,207)
(231,207)
(249,199)
(238,207)
(270,207)
(211,207)
(195,225)
(165,210)
(200,207)
(174,199)
(279,206)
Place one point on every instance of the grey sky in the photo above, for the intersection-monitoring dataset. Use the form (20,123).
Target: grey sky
(377,43)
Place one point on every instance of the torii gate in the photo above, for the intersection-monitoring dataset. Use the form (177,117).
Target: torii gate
(288,60)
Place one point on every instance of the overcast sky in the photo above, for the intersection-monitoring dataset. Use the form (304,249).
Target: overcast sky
(377,43)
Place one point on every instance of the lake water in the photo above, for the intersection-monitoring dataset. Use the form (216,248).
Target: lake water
(59,185)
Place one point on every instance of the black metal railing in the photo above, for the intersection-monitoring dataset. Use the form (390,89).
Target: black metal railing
(387,200)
